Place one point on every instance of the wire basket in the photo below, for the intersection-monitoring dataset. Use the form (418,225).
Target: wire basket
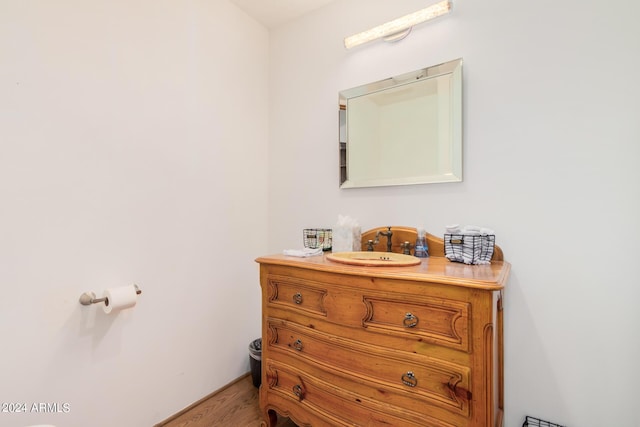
(535,422)
(315,238)
(469,249)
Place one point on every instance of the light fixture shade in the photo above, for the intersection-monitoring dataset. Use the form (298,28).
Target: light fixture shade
(398,25)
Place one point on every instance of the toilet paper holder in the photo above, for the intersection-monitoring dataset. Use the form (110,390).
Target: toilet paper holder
(89,298)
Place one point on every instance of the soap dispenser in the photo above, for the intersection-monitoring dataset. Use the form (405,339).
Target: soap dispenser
(421,250)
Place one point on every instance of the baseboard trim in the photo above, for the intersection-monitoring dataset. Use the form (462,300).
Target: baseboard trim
(209,396)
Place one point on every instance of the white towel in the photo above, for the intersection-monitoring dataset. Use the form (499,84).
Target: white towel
(452,229)
(487,231)
(302,253)
(471,230)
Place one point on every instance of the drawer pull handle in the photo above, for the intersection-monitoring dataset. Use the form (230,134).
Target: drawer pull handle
(297,344)
(409,379)
(410,320)
(297,298)
(298,391)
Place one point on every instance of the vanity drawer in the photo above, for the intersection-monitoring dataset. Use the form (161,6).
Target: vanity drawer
(299,295)
(328,405)
(407,379)
(436,320)
(418,316)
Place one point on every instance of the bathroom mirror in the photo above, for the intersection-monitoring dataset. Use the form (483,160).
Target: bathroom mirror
(403,130)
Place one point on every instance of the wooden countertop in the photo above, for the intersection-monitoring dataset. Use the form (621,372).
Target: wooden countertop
(433,269)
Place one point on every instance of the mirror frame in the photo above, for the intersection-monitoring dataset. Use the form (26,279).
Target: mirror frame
(453,68)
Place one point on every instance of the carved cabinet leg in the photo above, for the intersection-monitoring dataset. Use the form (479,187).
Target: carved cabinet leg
(271,419)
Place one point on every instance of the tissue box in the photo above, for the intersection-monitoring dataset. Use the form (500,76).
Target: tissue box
(346,239)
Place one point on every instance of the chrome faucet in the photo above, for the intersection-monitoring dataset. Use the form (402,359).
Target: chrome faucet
(387,234)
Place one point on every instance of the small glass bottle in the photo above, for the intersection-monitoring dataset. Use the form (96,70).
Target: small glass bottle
(421,250)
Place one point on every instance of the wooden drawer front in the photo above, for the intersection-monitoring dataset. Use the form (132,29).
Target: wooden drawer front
(337,406)
(409,379)
(296,294)
(436,320)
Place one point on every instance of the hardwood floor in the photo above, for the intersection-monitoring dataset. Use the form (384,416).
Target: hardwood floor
(236,405)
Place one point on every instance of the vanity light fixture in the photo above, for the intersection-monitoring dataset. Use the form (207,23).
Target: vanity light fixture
(398,28)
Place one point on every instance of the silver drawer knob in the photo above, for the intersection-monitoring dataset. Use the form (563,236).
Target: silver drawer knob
(297,298)
(409,379)
(298,391)
(410,320)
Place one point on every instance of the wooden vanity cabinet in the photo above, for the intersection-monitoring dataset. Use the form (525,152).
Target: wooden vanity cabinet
(381,346)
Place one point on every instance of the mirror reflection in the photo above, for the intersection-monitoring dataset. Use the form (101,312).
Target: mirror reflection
(403,130)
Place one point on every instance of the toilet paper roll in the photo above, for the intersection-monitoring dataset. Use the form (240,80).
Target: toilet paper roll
(119,298)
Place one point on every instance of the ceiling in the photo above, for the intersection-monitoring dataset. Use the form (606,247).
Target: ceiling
(272,13)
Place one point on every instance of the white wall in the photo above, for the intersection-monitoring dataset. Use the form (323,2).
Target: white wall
(132,145)
(551,146)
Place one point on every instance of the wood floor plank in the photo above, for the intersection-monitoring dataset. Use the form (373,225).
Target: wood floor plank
(234,406)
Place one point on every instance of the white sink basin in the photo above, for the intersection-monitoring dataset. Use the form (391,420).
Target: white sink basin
(374,259)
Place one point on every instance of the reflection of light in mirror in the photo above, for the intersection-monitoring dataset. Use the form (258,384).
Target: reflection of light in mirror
(403,133)
(412,114)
